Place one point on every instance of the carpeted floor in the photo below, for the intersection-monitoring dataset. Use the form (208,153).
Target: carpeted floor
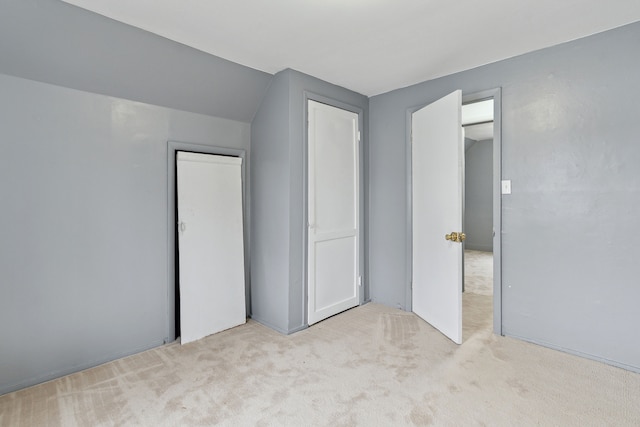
(478,272)
(370,366)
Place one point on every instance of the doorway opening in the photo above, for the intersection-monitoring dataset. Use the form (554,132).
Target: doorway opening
(435,164)
(478,132)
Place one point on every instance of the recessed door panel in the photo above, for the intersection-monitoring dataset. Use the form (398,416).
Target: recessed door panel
(330,281)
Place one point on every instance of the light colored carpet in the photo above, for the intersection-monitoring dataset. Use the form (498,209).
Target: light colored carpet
(370,366)
(478,272)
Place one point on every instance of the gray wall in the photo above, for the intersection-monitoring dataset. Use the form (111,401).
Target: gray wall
(270,207)
(83,258)
(54,42)
(569,231)
(478,197)
(278,174)
(83,179)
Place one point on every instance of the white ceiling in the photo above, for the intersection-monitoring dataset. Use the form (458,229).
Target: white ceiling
(477,112)
(370,46)
(479,132)
(477,120)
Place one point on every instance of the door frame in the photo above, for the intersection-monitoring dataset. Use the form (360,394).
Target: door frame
(467,98)
(172,148)
(364,288)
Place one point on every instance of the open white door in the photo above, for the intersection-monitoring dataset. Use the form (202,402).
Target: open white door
(210,243)
(437,168)
(333,195)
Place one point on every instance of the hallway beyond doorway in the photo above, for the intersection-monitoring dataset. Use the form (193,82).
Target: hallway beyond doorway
(477,311)
(478,272)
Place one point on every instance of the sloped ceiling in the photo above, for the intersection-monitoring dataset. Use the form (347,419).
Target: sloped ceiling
(370,46)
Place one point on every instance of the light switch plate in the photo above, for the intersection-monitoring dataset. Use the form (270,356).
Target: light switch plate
(506,186)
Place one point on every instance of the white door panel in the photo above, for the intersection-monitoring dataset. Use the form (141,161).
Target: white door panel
(334,158)
(333,211)
(210,243)
(437,167)
(329,283)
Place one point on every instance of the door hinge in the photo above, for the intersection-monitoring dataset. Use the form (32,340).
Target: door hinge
(359,280)
(358,136)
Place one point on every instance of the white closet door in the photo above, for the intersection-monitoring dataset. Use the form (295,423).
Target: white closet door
(333,195)
(210,244)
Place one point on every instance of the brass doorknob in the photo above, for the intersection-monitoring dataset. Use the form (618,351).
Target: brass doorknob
(455,237)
